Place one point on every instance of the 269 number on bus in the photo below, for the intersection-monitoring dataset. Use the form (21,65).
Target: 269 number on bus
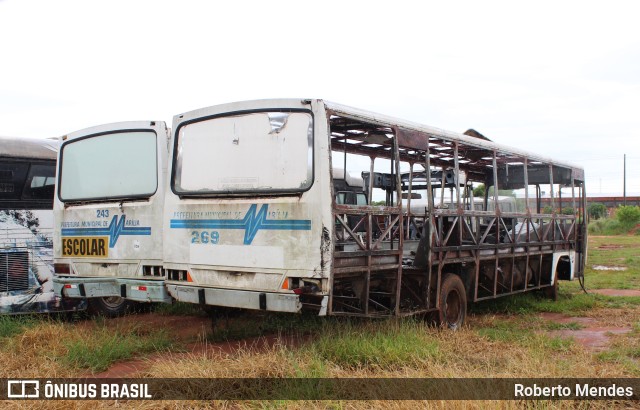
(211,237)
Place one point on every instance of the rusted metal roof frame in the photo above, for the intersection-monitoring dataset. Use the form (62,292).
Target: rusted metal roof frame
(414,136)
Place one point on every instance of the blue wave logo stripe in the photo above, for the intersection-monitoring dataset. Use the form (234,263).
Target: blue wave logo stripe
(251,223)
(114,231)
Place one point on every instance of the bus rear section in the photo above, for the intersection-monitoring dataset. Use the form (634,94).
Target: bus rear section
(289,205)
(247,218)
(107,210)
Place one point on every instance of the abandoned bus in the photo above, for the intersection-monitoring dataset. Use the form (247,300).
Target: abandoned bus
(107,208)
(254,219)
(27,176)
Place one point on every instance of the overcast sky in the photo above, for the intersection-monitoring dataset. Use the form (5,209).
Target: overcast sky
(560,78)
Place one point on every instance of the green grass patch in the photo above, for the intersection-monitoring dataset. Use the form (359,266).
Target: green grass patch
(518,332)
(530,303)
(620,251)
(609,227)
(99,349)
(625,351)
(384,345)
(563,326)
(13,325)
(178,309)
(627,358)
(236,325)
(567,303)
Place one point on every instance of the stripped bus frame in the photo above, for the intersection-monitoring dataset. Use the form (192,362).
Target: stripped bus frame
(491,261)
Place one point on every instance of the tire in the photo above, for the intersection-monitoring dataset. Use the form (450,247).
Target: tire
(113,306)
(453,302)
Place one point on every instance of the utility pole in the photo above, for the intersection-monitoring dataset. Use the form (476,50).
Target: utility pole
(624,189)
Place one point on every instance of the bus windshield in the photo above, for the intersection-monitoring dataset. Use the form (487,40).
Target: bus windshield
(259,152)
(109,166)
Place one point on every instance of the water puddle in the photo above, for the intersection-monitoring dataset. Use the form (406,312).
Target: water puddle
(605,267)
(592,335)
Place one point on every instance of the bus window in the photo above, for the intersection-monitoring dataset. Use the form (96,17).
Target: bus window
(109,166)
(40,182)
(268,152)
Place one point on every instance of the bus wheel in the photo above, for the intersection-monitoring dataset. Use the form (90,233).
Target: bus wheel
(453,302)
(112,306)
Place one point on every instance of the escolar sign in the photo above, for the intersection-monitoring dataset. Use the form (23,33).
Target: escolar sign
(94,247)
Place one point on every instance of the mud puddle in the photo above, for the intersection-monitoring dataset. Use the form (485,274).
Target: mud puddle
(592,335)
(612,268)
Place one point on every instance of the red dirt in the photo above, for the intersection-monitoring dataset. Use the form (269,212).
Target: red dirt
(616,292)
(593,337)
(187,329)
(634,230)
(605,247)
(563,319)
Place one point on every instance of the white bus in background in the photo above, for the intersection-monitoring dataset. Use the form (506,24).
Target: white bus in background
(108,215)
(27,177)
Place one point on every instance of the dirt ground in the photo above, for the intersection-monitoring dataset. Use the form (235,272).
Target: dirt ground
(192,332)
(593,333)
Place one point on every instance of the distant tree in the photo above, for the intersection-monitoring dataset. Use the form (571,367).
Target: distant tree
(628,215)
(597,210)
(479,191)
(567,211)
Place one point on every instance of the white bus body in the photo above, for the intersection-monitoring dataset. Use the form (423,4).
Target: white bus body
(107,210)
(253,217)
(242,221)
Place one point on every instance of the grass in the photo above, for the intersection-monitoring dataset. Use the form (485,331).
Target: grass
(568,303)
(377,345)
(563,326)
(13,325)
(178,309)
(609,227)
(41,347)
(99,349)
(625,351)
(522,333)
(619,251)
(506,337)
(236,325)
